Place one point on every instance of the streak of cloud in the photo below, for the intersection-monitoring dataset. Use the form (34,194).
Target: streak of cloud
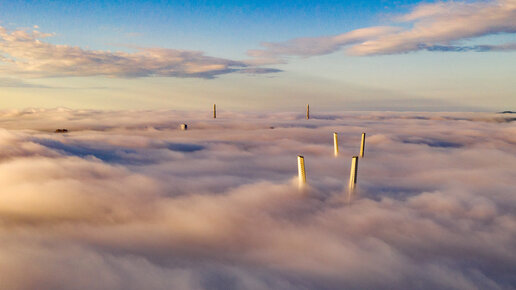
(26,52)
(305,47)
(125,200)
(17,83)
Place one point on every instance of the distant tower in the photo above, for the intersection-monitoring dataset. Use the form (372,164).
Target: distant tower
(335,145)
(214,111)
(353,174)
(301,171)
(362,146)
(307,111)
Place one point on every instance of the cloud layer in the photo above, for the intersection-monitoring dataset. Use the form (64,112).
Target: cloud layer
(436,26)
(27,53)
(127,201)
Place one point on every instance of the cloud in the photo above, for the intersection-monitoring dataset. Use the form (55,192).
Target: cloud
(259,70)
(16,83)
(434,206)
(317,45)
(478,48)
(27,53)
(434,27)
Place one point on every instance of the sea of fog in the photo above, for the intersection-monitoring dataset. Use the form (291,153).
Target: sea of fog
(126,200)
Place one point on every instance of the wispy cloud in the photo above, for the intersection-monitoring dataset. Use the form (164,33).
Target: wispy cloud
(316,45)
(479,48)
(26,52)
(437,26)
(17,83)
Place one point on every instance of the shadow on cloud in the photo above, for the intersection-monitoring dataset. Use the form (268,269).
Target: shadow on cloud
(115,153)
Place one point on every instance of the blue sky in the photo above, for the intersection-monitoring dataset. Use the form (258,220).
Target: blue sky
(202,25)
(339,75)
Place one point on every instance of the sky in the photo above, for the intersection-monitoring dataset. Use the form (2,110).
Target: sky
(259,55)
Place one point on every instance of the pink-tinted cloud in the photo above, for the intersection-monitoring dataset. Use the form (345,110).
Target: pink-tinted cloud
(113,205)
(27,53)
(436,26)
(316,45)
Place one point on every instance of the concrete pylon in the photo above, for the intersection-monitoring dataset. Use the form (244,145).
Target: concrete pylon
(353,174)
(214,111)
(335,145)
(301,171)
(362,146)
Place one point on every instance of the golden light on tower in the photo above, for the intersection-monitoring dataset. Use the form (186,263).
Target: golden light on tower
(335,145)
(362,146)
(353,174)
(301,171)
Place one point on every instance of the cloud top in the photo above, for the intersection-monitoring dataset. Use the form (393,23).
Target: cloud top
(434,206)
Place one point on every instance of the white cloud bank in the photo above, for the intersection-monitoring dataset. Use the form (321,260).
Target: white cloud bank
(436,26)
(127,201)
(26,52)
